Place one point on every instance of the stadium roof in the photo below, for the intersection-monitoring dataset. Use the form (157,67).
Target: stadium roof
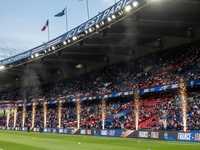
(158,25)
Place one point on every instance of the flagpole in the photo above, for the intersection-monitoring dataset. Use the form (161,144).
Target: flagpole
(88,9)
(66,21)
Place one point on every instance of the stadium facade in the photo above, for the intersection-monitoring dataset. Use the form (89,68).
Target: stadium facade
(145,28)
(127,30)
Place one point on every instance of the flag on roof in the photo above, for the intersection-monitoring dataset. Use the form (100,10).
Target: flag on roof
(60,14)
(46,25)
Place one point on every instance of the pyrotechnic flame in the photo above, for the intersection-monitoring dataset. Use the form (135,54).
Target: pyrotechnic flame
(183,104)
(33,114)
(103,103)
(136,102)
(45,114)
(15,115)
(8,116)
(24,115)
(59,114)
(78,110)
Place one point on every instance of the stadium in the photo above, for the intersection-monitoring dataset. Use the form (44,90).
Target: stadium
(128,78)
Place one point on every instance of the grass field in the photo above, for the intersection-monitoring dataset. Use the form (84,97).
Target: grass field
(17,140)
(1,112)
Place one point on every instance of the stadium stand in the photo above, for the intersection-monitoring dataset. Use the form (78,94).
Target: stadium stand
(156,112)
(166,69)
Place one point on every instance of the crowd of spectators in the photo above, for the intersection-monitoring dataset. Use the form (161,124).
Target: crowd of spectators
(155,113)
(164,67)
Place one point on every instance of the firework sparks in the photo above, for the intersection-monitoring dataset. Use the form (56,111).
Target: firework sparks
(15,115)
(103,103)
(136,101)
(78,110)
(59,114)
(183,96)
(24,115)
(33,114)
(8,116)
(45,114)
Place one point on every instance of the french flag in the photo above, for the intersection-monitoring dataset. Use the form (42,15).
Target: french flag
(46,25)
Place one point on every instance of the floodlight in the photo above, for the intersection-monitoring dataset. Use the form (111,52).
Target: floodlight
(69,41)
(53,48)
(74,38)
(79,66)
(32,56)
(97,26)
(135,4)
(128,8)
(90,29)
(113,16)
(109,19)
(2,67)
(36,55)
(64,42)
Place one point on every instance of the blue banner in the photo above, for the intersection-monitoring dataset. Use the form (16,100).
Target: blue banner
(188,136)
(172,135)
(116,116)
(140,91)
(49,130)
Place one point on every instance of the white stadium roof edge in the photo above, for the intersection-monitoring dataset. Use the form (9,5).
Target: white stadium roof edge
(128,29)
(95,24)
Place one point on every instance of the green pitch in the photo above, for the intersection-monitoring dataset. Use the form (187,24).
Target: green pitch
(1,112)
(17,140)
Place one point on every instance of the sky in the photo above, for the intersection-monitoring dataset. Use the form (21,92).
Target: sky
(21,21)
